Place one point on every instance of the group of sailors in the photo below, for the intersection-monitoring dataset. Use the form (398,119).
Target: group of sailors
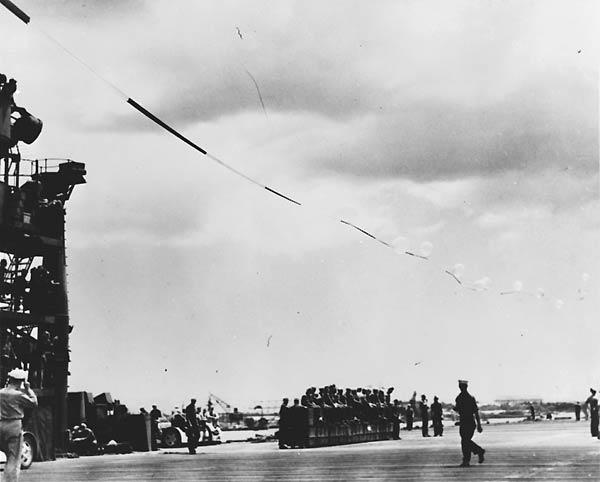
(155,416)
(198,424)
(14,128)
(19,349)
(82,440)
(330,405)
(34,291)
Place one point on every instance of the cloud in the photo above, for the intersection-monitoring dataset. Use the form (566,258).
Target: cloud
(492,220)
(376,58)
(405,95)
(443,194)
(430,230)
(436,140)
(78,9)
(509,217)
(552,190)
(395,115)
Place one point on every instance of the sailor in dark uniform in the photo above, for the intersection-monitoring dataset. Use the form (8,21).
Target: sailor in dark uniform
(424,412)
(409,418)
(592,402)
(436,417)
(466,406)
(193,431)
(284,425)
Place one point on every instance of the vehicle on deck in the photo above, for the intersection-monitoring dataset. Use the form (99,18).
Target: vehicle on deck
(28,452)
(173,433)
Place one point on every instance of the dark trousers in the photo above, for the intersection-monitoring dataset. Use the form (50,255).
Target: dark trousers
(193,435)
(425,426)
(154,434)
(594,423)
(438,427)
(466,442)
(284,436)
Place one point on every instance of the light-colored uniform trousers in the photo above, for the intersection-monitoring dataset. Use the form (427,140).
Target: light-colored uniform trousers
(11,441)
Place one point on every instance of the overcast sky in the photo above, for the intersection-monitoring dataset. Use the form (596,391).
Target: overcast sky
(471,126)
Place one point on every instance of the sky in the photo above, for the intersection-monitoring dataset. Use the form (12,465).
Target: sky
(463,130)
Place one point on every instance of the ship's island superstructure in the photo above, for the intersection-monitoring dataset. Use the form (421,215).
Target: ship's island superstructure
(34,312)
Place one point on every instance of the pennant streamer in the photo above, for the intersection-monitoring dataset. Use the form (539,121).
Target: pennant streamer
(21,15)
(426,247)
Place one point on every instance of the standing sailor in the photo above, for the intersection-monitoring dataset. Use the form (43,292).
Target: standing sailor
(436,417)
(15,398)
(424,412)
(592,402)
(193,432)
(466,406)
(409,417)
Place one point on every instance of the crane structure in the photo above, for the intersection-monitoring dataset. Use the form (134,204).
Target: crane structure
(222,403)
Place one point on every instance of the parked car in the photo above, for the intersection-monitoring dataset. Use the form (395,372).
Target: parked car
(28,452)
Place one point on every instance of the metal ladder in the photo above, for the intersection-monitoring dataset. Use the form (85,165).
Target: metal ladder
(17,266)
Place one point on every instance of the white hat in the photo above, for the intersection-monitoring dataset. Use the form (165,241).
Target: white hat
(18,374)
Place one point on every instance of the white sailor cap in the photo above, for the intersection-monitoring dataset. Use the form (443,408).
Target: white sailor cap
(18,374)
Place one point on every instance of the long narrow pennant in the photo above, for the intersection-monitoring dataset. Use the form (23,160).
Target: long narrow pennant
(21,15)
